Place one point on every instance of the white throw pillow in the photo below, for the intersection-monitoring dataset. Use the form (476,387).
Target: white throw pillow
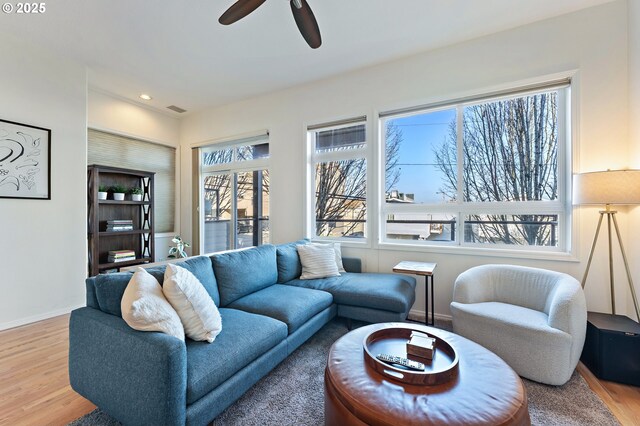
(199,315)
(318,261)
(338,250)
(145,308)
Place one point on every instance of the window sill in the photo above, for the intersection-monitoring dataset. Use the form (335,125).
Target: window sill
(344,242)
(556,256)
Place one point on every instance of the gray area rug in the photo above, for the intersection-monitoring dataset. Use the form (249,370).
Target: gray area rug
(292,394)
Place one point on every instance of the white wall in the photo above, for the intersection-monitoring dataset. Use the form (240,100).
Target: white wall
(111,114)
(593,41)
(634,140)
(44,242)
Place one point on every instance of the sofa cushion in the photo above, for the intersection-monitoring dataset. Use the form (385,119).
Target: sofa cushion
(292,305)
(244,337)
(389,292)
(201,267)
(243,272)
(289,267)
(109,288)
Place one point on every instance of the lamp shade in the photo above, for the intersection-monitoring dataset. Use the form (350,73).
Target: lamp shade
(607,187)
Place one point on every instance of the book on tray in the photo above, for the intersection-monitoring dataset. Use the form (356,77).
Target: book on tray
(421,345)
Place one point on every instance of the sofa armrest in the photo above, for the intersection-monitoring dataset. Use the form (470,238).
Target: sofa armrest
(474,286)
(137,377)
(352,264)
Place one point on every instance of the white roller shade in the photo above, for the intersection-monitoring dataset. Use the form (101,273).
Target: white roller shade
(108,149)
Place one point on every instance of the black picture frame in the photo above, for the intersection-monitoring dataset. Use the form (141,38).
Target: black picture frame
(25,151)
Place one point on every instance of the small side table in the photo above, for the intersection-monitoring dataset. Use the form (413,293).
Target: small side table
(426,269)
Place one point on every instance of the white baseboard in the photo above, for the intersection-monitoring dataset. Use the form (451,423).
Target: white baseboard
(36,318)
(417,315)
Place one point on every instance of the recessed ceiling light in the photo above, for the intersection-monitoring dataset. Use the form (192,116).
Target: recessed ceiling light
(145,97)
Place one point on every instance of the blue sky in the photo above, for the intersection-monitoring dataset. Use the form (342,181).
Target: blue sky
(422,134)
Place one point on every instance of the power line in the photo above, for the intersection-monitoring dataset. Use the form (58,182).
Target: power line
(421,124)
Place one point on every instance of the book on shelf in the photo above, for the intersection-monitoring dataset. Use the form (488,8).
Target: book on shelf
(116,228)
(121,259)
(121,253)
(120,222)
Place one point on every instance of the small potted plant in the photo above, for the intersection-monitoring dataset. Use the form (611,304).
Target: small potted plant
(102,192)
(136,194)
(118,192)
(177,251)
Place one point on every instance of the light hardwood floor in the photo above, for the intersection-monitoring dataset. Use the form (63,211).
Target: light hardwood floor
(34,378)
(34,382)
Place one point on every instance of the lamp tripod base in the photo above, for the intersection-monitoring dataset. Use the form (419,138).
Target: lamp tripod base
(611,217)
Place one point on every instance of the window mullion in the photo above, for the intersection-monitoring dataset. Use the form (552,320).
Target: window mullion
(460,168)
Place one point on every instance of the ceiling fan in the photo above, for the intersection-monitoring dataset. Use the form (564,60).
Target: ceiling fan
(302,14)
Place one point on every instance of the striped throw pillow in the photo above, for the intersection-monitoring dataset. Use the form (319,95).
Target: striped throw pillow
(318,261)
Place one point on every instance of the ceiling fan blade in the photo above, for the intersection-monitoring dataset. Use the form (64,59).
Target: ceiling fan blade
(307,23)
(239,10)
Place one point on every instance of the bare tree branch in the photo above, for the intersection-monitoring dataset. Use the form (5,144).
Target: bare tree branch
(510,154)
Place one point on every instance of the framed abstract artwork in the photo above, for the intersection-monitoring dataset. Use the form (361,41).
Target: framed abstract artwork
(25,161)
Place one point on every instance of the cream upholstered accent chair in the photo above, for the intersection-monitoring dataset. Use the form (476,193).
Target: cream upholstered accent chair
(532,318)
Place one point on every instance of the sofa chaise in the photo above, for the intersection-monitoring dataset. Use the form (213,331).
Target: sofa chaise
(150,378)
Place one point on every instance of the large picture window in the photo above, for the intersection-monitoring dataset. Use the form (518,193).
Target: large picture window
(490,171)
(338,171)
(235,195)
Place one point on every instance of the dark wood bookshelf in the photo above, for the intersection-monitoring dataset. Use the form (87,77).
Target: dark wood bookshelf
(141,213)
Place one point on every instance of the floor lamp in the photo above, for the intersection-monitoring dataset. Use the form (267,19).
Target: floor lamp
(619,187)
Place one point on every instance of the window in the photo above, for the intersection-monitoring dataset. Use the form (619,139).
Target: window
(108,149)
(235,195)
(489,171)
(338,172)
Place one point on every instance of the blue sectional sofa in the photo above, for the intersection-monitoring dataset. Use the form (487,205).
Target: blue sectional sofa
(149,378)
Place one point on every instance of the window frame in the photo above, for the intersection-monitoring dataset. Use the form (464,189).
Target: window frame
(561,206)
(312,158)
(232,168)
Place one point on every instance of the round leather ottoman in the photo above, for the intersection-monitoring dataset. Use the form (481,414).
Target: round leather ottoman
(486,390)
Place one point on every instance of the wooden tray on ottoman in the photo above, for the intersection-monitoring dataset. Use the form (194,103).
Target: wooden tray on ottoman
(393,341)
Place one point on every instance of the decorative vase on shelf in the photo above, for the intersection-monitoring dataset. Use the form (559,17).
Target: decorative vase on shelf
(118,192)
(136,194)
(102,192)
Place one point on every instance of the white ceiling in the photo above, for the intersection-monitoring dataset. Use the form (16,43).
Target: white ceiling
(177,52)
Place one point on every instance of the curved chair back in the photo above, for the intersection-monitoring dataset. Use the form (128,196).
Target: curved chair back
(531,288)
